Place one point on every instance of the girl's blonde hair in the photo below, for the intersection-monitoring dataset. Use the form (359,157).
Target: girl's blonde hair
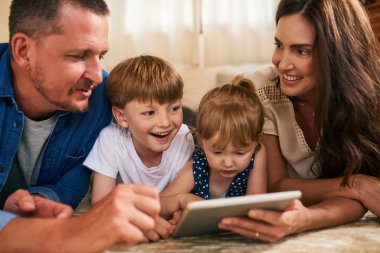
(144,78)
(233,111)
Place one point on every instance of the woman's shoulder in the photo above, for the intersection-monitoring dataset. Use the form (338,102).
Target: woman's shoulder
(264,77)
(265,81)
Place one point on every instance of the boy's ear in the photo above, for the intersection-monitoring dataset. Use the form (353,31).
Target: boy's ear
(120,117)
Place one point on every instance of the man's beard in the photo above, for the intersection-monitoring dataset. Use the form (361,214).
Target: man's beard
(66,104)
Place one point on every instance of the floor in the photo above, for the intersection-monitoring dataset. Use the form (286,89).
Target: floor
(359,236)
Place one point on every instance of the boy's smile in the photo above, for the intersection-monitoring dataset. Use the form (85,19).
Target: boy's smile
(153,126)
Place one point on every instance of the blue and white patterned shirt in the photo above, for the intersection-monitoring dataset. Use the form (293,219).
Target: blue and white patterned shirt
(238,186)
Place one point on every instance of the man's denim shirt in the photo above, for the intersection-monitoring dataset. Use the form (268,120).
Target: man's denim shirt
(62,176)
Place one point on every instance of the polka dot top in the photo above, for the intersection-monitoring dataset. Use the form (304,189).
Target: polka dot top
(237,187)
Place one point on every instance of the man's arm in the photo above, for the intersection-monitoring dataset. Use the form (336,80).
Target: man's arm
(121,217)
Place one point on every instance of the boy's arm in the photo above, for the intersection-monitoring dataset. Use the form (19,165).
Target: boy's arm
(257,179)
(101,186)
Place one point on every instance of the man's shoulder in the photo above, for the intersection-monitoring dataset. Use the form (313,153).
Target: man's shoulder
(3,48)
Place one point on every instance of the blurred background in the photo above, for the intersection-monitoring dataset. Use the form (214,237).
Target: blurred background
(206,40)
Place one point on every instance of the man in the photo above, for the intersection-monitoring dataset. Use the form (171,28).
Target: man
(51,114)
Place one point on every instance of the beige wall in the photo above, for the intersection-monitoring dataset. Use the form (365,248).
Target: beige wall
(4,13)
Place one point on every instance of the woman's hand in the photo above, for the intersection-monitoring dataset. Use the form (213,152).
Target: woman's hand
(363,188)
(267,225)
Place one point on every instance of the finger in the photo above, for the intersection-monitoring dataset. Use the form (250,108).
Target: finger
(141,220)
(152,236)
(247,233)
(146,190)
(147,205)
(131,234)
(163,228)
(63,211)
(176,217)
(26,203)
(251,226)
(267,216)
(20,202)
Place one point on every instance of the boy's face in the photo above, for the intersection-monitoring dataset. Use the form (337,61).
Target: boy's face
(153,126)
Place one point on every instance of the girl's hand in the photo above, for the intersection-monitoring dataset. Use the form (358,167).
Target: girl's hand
(162,230)
(267,225)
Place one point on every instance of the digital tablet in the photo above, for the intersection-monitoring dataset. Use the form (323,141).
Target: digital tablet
(202,217)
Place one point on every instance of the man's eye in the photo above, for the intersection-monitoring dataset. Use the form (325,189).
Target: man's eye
(277,44)
(77,56)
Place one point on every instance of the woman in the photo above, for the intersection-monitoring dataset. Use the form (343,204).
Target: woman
(322,131)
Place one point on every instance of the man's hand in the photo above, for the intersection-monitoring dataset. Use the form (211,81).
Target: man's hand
(124,215)
(22,203)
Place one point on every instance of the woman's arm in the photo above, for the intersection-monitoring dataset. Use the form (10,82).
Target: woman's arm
(313,190)
(270,226)
(257,180)
(101,186)
(363,188)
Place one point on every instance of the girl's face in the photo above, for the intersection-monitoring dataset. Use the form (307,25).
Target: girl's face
(227,162)
(293,57)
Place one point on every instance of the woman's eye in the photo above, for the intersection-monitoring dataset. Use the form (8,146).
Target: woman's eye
(303,52)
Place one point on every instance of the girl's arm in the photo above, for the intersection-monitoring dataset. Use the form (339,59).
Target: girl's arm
(101,186)
(176,196)
(257,180)
(173,203)
(184,182)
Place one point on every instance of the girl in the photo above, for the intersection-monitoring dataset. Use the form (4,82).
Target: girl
(230,161)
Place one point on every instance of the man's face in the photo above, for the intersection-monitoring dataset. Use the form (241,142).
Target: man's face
(66,67)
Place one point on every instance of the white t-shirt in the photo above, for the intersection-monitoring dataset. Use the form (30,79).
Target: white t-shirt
(114,155)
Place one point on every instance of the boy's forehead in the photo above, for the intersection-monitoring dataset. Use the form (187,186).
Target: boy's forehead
(150,101)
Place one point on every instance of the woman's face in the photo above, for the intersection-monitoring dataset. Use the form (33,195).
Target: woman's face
(293,57)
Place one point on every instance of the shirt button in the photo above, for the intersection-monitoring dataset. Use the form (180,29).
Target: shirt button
(1,169)
(16,124)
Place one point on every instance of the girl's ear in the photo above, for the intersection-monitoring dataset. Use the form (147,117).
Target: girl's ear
(199,140)
(119,117)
